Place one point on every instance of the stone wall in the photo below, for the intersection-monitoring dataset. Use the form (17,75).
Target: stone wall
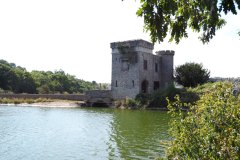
(147,74)
(98,94)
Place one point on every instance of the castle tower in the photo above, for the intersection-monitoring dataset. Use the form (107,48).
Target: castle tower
(126,65)
(135,69)
(166,67)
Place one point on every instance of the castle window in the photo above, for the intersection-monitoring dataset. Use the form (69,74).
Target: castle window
(125,65)
(116,84)
(144,86)
(145,65)
(133,83)
(156,85)
(156,67)
(136,59)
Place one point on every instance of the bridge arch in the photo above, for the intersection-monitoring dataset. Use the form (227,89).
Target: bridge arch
(99,104)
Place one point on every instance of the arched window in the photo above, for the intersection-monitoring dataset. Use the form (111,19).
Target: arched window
(133,83)
(116,84)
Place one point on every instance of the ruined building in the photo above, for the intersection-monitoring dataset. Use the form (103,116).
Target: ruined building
(135,69)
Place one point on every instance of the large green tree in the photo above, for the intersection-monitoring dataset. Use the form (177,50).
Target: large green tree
(176,16)
(7,77)
(24,83)
(191,74)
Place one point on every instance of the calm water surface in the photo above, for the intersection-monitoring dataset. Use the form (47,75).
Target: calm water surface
(32,133)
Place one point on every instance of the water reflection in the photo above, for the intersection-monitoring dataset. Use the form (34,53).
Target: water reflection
(138,133)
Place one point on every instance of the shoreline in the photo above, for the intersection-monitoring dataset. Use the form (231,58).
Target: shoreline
(53,104)
(68,104)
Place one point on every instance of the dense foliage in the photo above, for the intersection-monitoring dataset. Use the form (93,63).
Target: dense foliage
(18,80)
(210,129)
(175,17)
(15,78)
(156,99)
(191,74)
(60,82)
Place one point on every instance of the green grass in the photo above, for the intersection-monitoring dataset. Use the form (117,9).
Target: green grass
(23,100)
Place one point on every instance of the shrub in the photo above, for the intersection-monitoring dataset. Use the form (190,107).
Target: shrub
(191,74)
(158,98)
(126,103)
(210,129)
(1,90)
(131,103)
(29,101)
(143,98)
(16,101)
(117,103)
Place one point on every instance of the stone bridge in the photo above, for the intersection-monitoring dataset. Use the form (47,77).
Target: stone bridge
(98,98)
(93,98)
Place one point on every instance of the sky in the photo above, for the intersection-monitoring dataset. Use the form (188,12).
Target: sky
(75,36)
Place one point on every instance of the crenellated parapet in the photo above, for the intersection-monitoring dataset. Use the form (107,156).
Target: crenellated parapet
(132,44)
(165,52)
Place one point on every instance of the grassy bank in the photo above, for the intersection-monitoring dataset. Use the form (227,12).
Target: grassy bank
(23,100)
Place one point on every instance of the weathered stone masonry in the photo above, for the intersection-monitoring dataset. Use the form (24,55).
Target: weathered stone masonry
(136,69)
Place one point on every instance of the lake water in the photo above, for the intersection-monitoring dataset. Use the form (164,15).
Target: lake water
(32,133)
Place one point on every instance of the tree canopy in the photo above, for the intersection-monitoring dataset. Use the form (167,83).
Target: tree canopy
(18,80)
(191,74)
(176,16)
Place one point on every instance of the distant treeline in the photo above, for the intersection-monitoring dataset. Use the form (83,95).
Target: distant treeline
(17,79)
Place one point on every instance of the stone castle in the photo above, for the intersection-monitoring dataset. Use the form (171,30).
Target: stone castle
(135,69)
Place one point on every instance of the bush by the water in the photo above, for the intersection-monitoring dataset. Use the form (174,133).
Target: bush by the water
(127,103)
(211,127)
(143,99)
(158,98)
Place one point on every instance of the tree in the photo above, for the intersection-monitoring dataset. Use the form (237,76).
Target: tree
(24,83)
(176,16)
(210,129)
(7,77)
(42,80)
(191,74)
